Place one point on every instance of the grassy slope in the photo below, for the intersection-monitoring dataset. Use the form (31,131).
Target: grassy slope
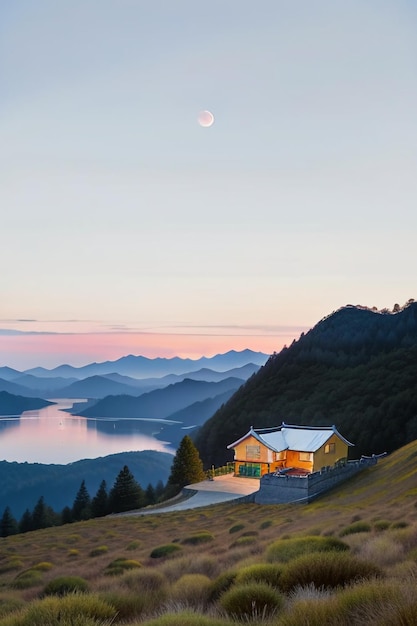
(385,492)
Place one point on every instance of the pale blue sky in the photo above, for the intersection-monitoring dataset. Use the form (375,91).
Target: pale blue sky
(119,210)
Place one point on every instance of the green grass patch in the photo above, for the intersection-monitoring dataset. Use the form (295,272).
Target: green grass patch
(285,550)
(121,565)
(198,538)
(327,570)
(356,527)
(133,545)
(27,579)
(243,541)
(64,585)
(169,549)
(251,601)
(236,528)
(99,551)
(71,610)
(269,573)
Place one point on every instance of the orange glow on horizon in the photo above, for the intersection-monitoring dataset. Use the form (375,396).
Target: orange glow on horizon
(50,350)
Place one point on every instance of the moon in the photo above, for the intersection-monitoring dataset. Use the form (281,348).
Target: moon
(205,119)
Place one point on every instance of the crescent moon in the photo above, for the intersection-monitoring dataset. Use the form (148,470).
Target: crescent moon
(205,119)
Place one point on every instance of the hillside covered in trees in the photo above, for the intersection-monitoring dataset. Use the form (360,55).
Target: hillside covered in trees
(357,369)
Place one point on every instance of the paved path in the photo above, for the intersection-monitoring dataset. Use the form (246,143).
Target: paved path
(221,489)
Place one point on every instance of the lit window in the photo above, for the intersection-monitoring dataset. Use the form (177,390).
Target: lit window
(330,448)
(305,456)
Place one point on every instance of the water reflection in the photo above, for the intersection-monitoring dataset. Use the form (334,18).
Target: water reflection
(51,435)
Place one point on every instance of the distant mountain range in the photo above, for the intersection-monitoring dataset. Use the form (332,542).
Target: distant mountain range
(160,403)
(99,380)
(135,386)
(143,367)
(357,369)
(22,484)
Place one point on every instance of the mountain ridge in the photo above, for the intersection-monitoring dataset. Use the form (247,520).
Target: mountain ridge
(356,368)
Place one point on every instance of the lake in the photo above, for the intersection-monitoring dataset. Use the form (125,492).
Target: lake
(51,435)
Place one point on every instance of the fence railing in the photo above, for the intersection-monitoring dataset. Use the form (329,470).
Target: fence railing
(229,468)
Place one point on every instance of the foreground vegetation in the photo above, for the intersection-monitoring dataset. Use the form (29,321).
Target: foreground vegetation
(350,557)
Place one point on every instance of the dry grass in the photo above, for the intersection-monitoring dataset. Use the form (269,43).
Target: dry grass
(205,565)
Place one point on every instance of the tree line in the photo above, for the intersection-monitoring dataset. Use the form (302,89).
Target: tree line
(126,494)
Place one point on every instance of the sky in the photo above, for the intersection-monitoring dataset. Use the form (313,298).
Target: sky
(127,228)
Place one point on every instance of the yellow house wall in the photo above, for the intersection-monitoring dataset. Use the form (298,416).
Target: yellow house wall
(321,459)
(293,460)
(269,462)
(240,451)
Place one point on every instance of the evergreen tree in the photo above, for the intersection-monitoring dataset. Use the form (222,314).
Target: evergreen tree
(66,515)
(159,490)
(126,494)
(186,469)
(100,502)
(40,515)
(8,524)
(26,522)
(82,504)
(150,494)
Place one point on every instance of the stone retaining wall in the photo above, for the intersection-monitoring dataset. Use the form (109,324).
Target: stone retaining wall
(283,488)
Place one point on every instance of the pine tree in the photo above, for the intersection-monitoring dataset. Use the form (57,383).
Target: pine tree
(126,494)
(187,467)
(100,502)
(8,524)
(66,515)
(40,515)
(150,494)
(82,503)
(26,522)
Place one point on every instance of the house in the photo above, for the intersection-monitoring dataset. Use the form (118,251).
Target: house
(286,448)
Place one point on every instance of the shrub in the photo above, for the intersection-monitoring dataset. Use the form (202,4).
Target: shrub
(202,537)
(70,610)
(128,605)
(326,569)
(145,580)
(133,545)
(284,550)
(243,541)
(381,524)
(168,549)
(73,552)
(27,579)
(251,600)
(192,589)
(269,573)
(356,527)
(43,566)
(221,584)
(266,524)
(119,566)
(313,612)
(382,550)
(396,525)
(63,585)
(99,550)
(10,604)
(186,618)
(10,565)
(236,528)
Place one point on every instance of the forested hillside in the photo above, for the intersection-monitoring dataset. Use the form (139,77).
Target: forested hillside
(357,369)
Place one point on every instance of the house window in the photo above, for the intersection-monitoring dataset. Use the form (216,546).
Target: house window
(330,448)
(305,456)
(280,456)
(253,452)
